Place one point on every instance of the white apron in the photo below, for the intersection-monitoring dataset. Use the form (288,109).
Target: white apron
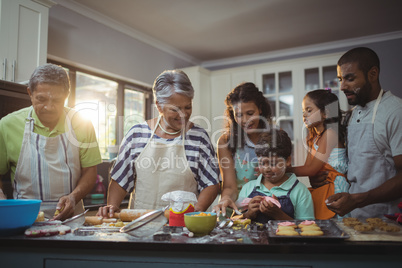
(48,167)
(368,168)
(161,168)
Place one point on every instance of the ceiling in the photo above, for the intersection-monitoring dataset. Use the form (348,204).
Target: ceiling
(210,30)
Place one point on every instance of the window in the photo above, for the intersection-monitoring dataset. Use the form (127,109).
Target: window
(96,99)
(112,105)
(134,108)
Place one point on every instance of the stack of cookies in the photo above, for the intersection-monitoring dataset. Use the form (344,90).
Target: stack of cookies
(305,228)
(287,228)
(310,228)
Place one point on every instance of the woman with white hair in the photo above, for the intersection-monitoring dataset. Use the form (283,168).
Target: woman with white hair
(165,154)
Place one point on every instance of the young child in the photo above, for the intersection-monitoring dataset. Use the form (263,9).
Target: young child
(325,142)
(274,155)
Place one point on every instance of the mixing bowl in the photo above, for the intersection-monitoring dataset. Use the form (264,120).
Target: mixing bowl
(200,225)
(17,215)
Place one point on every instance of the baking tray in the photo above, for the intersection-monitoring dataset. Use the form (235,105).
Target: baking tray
(332,231)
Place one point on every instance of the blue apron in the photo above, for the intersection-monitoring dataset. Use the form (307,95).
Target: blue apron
(284,200)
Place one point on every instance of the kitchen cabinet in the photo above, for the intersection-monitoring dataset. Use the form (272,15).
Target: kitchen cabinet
(23,37)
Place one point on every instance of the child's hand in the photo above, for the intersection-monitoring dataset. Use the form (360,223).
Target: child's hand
(253,207)
(271,209)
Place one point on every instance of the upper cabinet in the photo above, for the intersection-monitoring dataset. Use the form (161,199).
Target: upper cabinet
(23,37)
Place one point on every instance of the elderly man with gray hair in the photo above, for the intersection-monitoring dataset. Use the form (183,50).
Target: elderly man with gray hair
(51,151)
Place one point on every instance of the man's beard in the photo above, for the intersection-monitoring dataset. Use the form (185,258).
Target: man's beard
(362,95)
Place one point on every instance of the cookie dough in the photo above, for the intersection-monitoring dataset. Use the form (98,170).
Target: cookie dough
(288,232)
(389,228)
(312,233)
(364,228)
(352,222)
(311,228)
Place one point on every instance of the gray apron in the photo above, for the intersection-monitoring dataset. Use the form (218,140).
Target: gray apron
(48,167)
(368,167)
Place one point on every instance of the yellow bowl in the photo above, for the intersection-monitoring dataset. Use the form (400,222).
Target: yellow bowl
(200,225)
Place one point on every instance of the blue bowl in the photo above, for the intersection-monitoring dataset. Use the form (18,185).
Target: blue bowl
(17,215)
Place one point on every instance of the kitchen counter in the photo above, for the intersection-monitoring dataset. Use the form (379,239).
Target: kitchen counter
(222,248)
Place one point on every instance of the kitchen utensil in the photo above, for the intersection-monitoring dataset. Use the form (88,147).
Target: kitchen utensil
(17,215)
(78,219)
(225,223)
(147,224)
(127,215)
(200,225)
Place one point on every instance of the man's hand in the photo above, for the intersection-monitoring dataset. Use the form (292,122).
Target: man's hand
(65,206)
(341,203)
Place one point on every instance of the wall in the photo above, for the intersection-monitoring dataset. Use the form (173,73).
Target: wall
(83,41)
(391,65)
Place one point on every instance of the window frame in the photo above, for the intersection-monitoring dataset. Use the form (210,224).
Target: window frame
(122,85)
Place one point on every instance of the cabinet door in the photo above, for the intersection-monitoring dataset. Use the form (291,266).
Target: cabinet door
(325,76)
(278,87)
(26,30)
(5,6)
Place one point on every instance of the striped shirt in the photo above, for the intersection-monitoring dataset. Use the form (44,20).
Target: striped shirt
(199,152)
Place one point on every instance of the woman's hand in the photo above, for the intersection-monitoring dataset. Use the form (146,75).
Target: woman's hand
(225,202)
(116,194)
(107,211)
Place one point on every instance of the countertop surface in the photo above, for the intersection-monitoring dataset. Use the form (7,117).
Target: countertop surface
(253,239)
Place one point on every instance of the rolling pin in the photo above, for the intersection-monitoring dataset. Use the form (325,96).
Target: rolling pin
(125,215)
(131,214)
